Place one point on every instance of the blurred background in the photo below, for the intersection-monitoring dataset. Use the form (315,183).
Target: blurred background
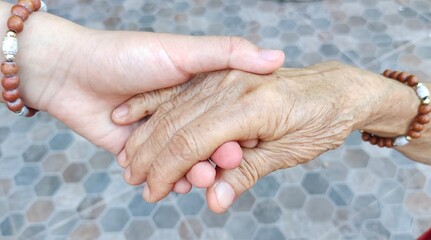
(56,185)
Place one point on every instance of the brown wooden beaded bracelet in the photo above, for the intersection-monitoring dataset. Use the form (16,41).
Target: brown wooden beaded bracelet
(419,122)
(10,81)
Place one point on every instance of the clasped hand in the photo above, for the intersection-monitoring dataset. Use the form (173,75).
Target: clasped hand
(281,120)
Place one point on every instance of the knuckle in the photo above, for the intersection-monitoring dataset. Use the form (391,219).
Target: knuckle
(185,145)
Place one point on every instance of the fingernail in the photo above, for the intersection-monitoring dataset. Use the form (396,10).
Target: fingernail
(224,194)
(146,193)
(270,55)
(121,111)
(121,158)
(128,174)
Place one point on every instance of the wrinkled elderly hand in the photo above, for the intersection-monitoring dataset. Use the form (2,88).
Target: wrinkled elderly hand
(296,115)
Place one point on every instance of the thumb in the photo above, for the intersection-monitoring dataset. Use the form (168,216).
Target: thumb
(230,184)
(195,55)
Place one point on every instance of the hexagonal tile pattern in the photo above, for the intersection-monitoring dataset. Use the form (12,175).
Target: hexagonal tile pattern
(139,207)
(114,219)
(190,204)
(166,217)
(56,185)
(315,183)
(267,211)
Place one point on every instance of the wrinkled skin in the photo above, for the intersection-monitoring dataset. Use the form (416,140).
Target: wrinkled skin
(289,117)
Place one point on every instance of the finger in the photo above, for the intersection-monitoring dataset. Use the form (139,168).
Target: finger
(194,142)
(144,104)
(183,186)
(145,144)
(201,175)
(249,143)
(228,155)
(230,184)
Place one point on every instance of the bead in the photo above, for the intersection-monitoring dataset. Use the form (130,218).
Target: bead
(413,134)
(426,101)
(381,142)
(387,73)
(394,75)
(28,4)
(10,58)
(10,83)
(31,112)
(424,109)
(373,140)
(401,141)
(402,77)
(15,24)
(10,46)
(11,96)
(43,7)
(11,34)
(366,136)
(36,5)
(9,68)
(15,106)
(412,80)
(20,11)
(389,143)
(23,112)
(424,119)
(422,91)
(417,127)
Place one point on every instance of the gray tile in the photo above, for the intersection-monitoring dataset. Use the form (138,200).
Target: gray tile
(61,141)
(190,228)
(241,227)
(91,207)
(267,211)
(319,209)
(33,231)
(35,153)
(166,217)
(340,194)
(375,230)
(27,175)
(382,167)
(40,211)
(411,178)
(139,207)
(315,183)
(356,158)
(190,204)
(244,203)
(292,197)
(139,229)
(86,230)
(101,160)
(55,162)
(266,187)
(335,171)
(212,220)
(47,186)
(20,198)
(396,219)
(114,220)
(97,182)
(272,233)
(75,172)
(62,223)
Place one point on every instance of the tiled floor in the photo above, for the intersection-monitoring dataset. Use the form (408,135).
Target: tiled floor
(55,185)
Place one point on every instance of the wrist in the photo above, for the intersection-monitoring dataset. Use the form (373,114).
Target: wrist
(45,54)
(393,109)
